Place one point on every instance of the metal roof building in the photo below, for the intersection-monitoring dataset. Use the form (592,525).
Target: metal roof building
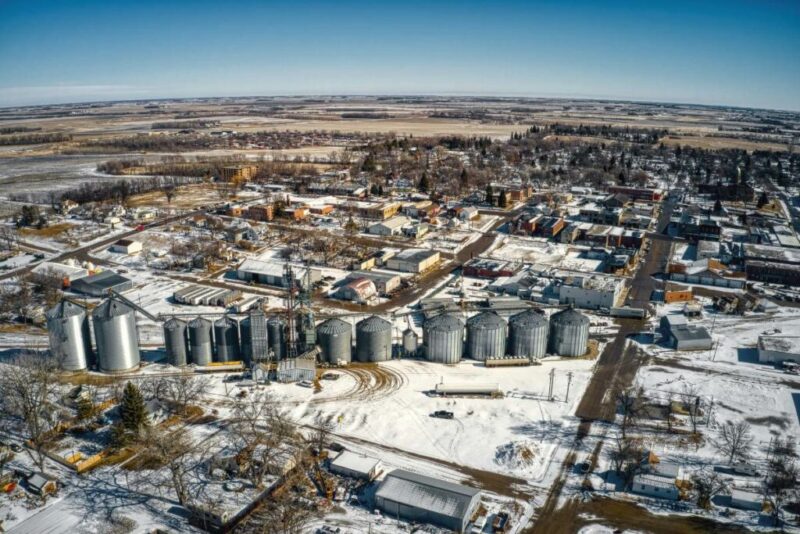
(98,285)
(354,465)
(414,497)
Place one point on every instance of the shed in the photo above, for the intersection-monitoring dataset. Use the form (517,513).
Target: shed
(775,349)
(296,369)
(415,497)
(127,246)
(42,484)
(354,465)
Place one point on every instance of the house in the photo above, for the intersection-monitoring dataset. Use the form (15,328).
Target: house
(419,498)
(42,484)
(390,227)
(778,348)
(468,213)
(414,260)
(127,246)
(358,290)
(350,464)
(655,486)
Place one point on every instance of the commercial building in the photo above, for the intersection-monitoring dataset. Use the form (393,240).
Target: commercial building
(99,285)
(638,193)
(273,273)
(263,212)
(239,173)
(390,227)
(358,290)
(487,268)
(685,336)
(777,348)
(385,283)
(419,498)
(414,260)
(127,246)
(590,292)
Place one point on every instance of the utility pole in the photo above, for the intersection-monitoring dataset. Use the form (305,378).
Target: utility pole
(569,381)
(552,376)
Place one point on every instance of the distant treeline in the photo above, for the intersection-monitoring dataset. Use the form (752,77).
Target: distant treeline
(34,139)
(365,115)
(181,125)
(154,143)
(18,129)
(118,191)
(631,135)
(176,166)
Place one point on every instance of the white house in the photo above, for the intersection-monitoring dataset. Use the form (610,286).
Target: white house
(127,246)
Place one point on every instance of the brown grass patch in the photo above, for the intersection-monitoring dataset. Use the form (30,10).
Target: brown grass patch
(716,143)
(48,231)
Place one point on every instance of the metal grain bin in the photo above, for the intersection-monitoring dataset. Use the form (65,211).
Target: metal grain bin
(443,338)
(258,340)
(176,342)
(226,340)
(244,340)
(486,336)
(70,339)
(527,334)
(373,340)
(335,340)
(276,330)
(116,337)
(410,342)
(569,333)
(200,341)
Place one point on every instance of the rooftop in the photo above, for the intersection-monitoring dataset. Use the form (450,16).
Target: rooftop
(428,493)
(788,344)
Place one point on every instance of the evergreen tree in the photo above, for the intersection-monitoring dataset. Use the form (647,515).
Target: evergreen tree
(489,193)
(763,200)
(423,183)
(502,200)
(85,408)
(133,412)
(464,177)
(717,207)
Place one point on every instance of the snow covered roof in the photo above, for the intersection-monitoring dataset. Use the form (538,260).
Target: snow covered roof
(419,491)
(784,344)
(357,463)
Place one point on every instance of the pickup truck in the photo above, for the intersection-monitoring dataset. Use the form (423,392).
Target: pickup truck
(442,414)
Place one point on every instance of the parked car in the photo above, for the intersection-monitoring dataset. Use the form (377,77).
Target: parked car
(306,384)
(442,414)
(335,447)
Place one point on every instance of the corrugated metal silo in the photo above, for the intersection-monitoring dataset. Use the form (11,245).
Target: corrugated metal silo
(410,342)
(70,339)
(176,342)
(443,338)
(200,341)
(244,336)
(276,330)
(258,340)
(527,334)
(335,339)
(116,337)
(486,336)
(373,340)
(226,339)
(569,333)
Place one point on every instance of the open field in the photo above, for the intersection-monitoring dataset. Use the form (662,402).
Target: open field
(722,143)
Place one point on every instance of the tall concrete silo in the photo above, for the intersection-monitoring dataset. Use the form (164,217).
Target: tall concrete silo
(176,342)
(373,340)
(335,339)
(527,334)
(70,338)
(569,333)
(443,338)
(226,339)
(116,337)
(200,341)
(486,336)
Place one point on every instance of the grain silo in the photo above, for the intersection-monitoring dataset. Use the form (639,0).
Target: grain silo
(226,340)
(443,338)
(335,338)
(527,334)
(410,342)
(569,333)
(244,340)
(486,336)
(115,336)
(70,339)
(276,331)
(200,341)
(373,340)
(256,327)
(176,342)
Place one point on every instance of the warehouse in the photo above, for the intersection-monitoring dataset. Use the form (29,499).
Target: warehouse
(683,336)
(350,464)
(272,273)
(390,227)
(357,290)
(413,260)
(414,497)
(776,349)
(98,285)
(385,283)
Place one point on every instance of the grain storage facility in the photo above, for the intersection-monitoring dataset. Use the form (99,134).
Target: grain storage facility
(373,340)
(226,339)
(410,342)
(443,338)
(486,336)
(569,333)
(254,337)
(335,339)
(176,342)
(276,333)
(418,498)
(116,337)
(200,341)
(100,284)
(70,340)
(527,334)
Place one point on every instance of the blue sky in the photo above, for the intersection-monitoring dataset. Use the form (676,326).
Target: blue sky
(744,53)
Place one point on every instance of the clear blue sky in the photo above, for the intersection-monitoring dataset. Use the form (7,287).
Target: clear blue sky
(744,53)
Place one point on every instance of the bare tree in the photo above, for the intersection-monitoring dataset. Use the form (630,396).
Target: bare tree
(628,404)
(171,449)
(734,440)
(692,405)
(783,477)
(627,454)
(262,435)
(323,427)
(179,391)
(284,512)
(707,485)
(28,388)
